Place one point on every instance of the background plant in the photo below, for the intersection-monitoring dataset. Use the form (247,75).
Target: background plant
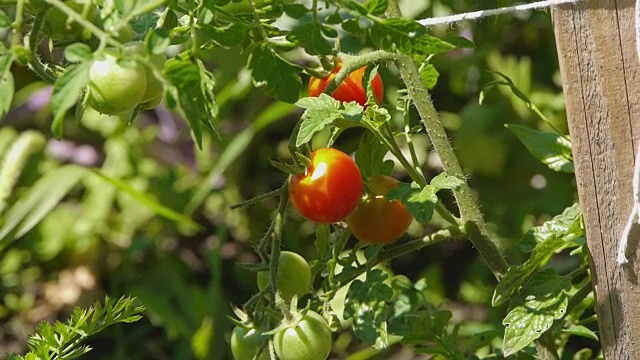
(112,207)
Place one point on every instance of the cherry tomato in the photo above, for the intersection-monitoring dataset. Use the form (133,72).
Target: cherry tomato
(293,276)
(308,339)
(378,220)
(329,189)
(246,342)
(153,93)
(350,89)
(114,87)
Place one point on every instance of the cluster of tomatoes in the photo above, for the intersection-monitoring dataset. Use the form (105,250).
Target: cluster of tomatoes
(118,83)
(330,190)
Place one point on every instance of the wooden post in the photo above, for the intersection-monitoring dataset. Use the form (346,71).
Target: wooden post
(601,82)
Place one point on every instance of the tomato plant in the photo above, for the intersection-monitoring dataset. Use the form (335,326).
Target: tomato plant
(377,220)
(351,89)
(246,342)
(116,87)
(329,189)
(305,338)
(293,276)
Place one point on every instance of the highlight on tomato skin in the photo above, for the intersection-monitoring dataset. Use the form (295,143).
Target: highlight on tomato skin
(350,89)
(378,220)
(329,189)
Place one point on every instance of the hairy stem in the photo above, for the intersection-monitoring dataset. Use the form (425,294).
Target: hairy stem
(469,209)
(391,253)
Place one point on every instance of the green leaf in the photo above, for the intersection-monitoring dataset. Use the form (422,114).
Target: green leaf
(429,75)
(296,11)
(458,41)
(357,7)
(41,198)
(5,20)
(542,300)
(366,302)
(444,181)
(66,92)
(78,52)
(324,111)
(12,164)
(407,37)
(583,331)
(376,7)
(550,148)
(471,344)
(157,41)
(421,202)
(518,275)
(310,37)
(280,77)
(228,35)
(132,8)
(147,200)
(370,155)
(566,226)
(192,90)
(6,83)
(410,297)
(353,26)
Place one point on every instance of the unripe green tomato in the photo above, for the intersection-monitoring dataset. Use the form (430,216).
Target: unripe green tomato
(309,339)
(154,86)
(245,343)
(115,88)
(55,21)
(293,277)
(151,104)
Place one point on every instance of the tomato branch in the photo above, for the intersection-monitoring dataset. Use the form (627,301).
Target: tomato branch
(352,63)
(469,209)
(396,251)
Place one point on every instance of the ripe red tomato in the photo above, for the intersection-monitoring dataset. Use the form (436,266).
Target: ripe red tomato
(378,220)
(329,189)
(350,89)
(307,339)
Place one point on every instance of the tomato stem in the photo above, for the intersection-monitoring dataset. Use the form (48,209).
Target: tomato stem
(281,191)
(352,63)
(399,250)
(469,209)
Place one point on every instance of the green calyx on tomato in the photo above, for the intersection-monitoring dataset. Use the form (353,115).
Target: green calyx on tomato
(378,220)
(246,342)
(329,189)
(293,276)
(351,89)
(307,337)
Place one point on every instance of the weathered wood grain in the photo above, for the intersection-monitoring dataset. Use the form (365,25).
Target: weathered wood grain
(601,83)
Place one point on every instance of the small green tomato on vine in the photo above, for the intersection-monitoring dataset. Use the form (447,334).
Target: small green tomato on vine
(293,276)
(305,337)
